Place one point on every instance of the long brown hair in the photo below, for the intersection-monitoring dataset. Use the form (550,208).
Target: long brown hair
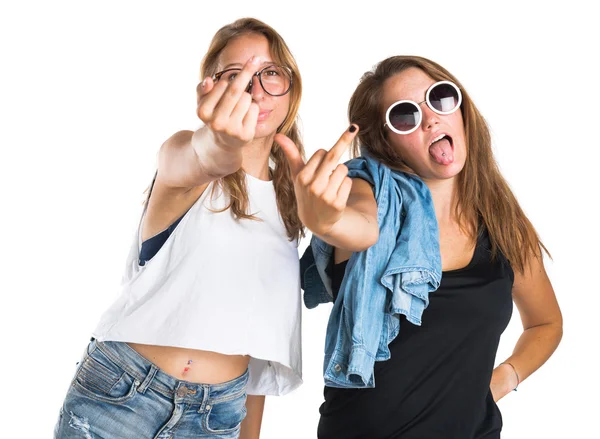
(235,184)
(484,197)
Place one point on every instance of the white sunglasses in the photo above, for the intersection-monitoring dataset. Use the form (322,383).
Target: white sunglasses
(404,117)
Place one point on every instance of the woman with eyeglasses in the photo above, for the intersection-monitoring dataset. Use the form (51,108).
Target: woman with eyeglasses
(208,320)
(426,248)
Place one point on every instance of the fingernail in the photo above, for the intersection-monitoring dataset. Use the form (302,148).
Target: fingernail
(255,60)
(352,128)
(203,84)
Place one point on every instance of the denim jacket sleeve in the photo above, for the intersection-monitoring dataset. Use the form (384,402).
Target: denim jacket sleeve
(314,279)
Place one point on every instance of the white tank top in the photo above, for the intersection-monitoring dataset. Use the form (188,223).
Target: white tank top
(219,284)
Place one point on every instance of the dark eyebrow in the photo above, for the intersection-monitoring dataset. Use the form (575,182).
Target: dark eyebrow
(238,65)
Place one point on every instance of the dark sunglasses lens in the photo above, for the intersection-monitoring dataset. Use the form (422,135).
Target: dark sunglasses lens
(444,98)
(404,116)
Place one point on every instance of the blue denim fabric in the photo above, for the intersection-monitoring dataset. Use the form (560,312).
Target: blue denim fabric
(117,393)
(393,277)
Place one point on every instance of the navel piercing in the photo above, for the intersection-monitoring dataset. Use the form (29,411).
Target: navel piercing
(186,369)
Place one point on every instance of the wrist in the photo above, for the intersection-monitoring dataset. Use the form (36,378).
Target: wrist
(512,379)
(342,234)
(331,232)
(215,159)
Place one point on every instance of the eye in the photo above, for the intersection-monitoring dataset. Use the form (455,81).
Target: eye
(272,72)
(230,75)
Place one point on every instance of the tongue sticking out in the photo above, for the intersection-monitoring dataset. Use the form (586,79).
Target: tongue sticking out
(442,152)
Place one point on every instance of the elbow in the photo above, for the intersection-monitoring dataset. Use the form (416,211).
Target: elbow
(372,237)
(553,330)
(368,240)
(557,324)
(559,330)
(557,333)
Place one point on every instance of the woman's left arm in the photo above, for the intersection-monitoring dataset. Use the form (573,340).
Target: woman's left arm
(542,328)
(255,405)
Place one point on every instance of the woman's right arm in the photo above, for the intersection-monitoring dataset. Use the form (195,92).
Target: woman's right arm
(189,159)
(339,210)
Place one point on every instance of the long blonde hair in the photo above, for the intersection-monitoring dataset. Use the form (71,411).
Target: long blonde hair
(484,197)
(235,184)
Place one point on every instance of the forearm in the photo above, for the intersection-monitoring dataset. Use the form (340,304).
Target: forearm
(255,405)
(355,231)
(532,350)
(193,158)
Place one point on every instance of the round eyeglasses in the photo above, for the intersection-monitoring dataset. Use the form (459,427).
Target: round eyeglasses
(275,80)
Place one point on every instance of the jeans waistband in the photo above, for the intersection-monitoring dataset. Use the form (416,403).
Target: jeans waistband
(150,376)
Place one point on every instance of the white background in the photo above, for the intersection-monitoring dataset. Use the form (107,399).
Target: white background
(88,92)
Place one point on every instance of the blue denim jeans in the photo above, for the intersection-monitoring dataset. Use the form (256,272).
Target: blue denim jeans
(117,393)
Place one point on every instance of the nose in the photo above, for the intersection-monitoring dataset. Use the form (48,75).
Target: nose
(255,89)
(430,118)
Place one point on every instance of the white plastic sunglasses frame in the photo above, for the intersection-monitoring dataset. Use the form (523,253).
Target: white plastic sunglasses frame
(418,105)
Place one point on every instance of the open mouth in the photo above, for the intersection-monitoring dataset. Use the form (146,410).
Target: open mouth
(442,149)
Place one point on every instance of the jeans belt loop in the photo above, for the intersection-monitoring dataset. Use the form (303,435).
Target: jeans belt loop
(153,370)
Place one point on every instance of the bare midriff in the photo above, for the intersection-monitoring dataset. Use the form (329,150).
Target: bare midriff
(196,366)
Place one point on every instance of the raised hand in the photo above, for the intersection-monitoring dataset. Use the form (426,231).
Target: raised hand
(322,185)
(227,110)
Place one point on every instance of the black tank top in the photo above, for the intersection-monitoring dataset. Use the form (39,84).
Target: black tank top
(436,383)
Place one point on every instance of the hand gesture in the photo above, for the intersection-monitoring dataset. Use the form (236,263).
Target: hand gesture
(227,110)
(322,185)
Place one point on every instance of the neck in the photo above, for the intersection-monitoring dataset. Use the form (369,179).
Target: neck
(443,193)
(255,157)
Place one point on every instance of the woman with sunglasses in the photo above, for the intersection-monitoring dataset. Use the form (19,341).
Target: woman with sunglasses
(435,374)
(210,307)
